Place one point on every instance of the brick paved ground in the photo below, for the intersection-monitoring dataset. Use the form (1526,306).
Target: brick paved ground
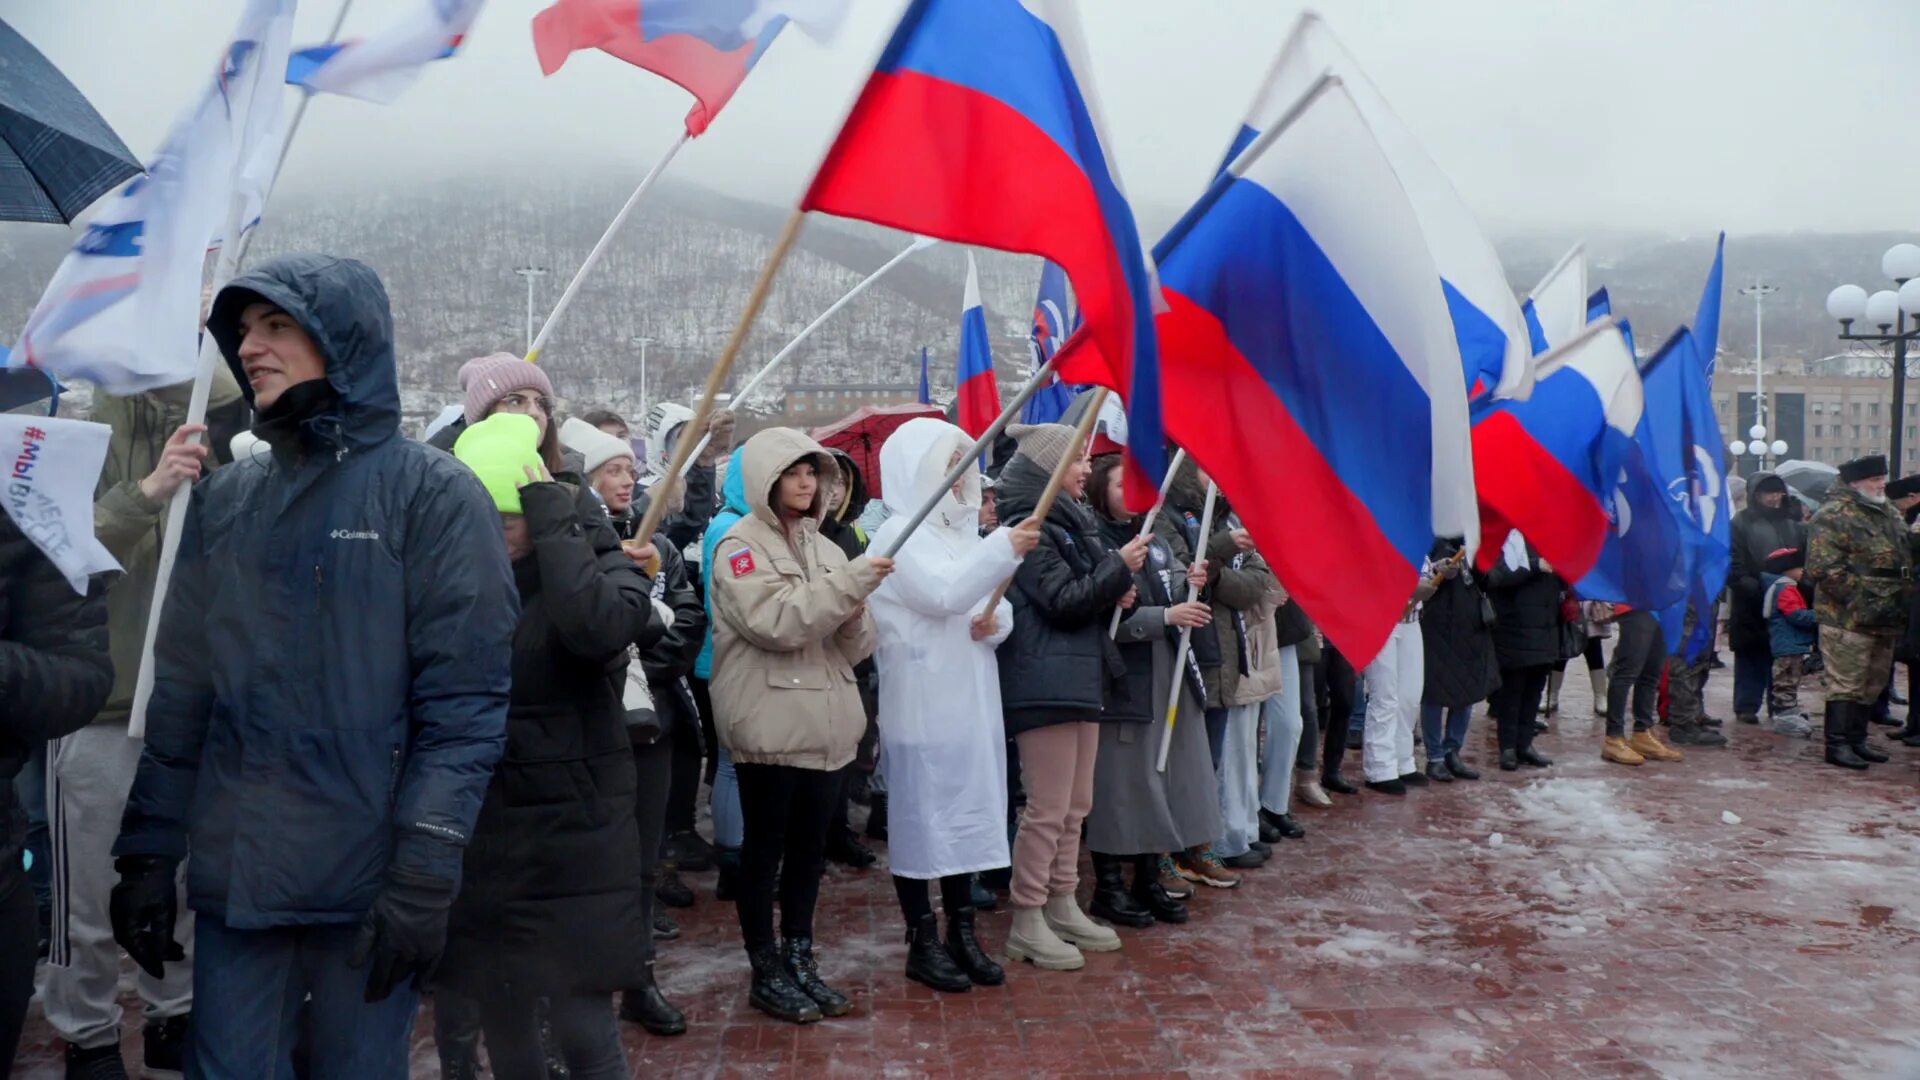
(1617,927)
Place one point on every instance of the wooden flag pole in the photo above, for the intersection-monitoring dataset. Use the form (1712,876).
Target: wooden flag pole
(600,247)
(1080,435)
(662,492)
(1186,634)
(1146,524)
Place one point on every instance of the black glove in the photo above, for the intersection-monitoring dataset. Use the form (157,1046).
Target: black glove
(143,908)
(404,932)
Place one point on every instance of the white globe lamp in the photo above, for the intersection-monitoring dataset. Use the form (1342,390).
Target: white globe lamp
(1847,303)
(1737,448)
(1883,307)
(1757,432)
(1901,262)
(1910,298)
(1779,448)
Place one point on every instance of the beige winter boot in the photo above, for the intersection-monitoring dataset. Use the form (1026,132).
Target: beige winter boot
(1066,920)
(1030,939)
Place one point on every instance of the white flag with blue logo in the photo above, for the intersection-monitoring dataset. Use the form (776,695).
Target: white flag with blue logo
(51,467)
(123,310)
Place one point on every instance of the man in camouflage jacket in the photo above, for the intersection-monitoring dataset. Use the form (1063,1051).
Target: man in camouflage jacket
(1861,563)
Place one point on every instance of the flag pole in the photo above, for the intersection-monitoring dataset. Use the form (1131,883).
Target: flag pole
(662,492)
(1081,432)
(1146,524)
(233,248)
(600,246)
(920,243)
(970,458)
(1186,634)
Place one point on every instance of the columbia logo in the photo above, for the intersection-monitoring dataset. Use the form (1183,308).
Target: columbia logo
(354,534)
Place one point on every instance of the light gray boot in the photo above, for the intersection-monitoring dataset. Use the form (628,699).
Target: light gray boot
(1030,939)
(1599,681)
(1071,925)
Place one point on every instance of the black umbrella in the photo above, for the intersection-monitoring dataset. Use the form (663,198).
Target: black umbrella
(56,154)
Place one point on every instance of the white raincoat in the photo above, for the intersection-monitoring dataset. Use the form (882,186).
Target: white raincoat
(943,743)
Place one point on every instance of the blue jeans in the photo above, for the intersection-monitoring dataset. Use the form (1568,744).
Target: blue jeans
(729,825)
(1752,675)
(1439,744)
(248,990)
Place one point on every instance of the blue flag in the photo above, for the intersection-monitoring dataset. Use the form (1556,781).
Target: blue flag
(1599,305)
(1642,563)
(926,390)
(1706,320)
(1689,460)
(1051,326)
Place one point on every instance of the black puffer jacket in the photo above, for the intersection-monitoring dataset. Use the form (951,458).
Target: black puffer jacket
(551,901)
(669,660)
(55,672)
(1055,665)
(1461,667)
(1757,532)
(1526,605)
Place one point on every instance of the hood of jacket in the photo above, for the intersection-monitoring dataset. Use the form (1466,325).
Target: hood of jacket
(343,307)
(914,461)
(772,452)
(858,496)
(661,427)
(733,493)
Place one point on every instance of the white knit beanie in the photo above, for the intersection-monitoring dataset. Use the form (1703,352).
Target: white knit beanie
(596,446)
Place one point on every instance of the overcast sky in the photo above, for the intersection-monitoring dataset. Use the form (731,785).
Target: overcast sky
(1677,115)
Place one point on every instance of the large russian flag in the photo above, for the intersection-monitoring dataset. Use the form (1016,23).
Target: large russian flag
(706,48)
(1548,465)
(1492,336)
(1311,366)
(977,391)
(979,125)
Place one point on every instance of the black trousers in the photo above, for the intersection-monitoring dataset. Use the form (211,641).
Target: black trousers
(1336,688)
(653,768)
(1516,702)
(787,811)
(956,894)
(1307,757)
(19,948)
(683,791)
(1639,656)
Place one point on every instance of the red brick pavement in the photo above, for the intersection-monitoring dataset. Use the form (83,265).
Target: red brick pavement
(1619,928)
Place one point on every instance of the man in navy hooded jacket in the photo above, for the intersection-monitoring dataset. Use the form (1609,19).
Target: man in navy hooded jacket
(329,699)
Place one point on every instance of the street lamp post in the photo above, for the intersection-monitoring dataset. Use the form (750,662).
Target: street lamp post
(1759,290)
(530,273)
(643,341)
(1888,310)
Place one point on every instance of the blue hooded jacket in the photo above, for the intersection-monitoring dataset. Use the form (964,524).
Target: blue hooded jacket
(334,657)
(733,495)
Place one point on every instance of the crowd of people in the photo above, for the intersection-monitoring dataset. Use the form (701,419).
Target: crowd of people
(440,722)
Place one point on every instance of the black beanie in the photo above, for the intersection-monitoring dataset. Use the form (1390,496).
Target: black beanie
(1903,487)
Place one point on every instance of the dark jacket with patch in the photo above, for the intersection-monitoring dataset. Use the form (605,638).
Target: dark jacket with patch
(1526,605)
(331,678)
(551,901)
(1461,668)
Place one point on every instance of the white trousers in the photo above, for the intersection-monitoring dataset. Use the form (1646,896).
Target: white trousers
(1395,681)
(1284,720)
(88,776)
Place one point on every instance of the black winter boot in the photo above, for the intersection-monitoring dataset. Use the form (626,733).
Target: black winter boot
(1283,825)
(1862,716)
(1151,894)
(798,954)
(726,884)
(964,947)
(774,990)
(1459,768)
(845,848)
(647,1006)
(928,962)
(1839,729)
(1111,900)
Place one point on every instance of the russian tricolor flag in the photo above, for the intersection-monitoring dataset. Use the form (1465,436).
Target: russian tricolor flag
(1548,465)
(704,47)
(977,398)
(1492,336)
(1312,365)
(1556,309)
(979,126)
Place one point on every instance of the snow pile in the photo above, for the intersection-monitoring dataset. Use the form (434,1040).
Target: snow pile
(1368,948)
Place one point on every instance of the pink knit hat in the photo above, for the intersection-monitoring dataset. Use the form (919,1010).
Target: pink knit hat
(490,378)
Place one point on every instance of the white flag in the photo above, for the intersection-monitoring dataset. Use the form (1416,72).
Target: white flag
(379,68)
(52,466)
(123,310)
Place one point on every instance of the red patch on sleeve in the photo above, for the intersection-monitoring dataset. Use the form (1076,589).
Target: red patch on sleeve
(742,563)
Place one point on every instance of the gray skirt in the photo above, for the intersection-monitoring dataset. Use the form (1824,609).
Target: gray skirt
(1139,810)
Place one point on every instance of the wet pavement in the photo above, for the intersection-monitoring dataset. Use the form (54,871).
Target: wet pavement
(1589,920)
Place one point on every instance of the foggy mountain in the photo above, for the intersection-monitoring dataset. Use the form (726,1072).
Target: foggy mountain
(681,270)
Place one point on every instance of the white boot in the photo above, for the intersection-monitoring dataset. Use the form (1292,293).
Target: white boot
(1030,939)
(1064,918)
(1599,681)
